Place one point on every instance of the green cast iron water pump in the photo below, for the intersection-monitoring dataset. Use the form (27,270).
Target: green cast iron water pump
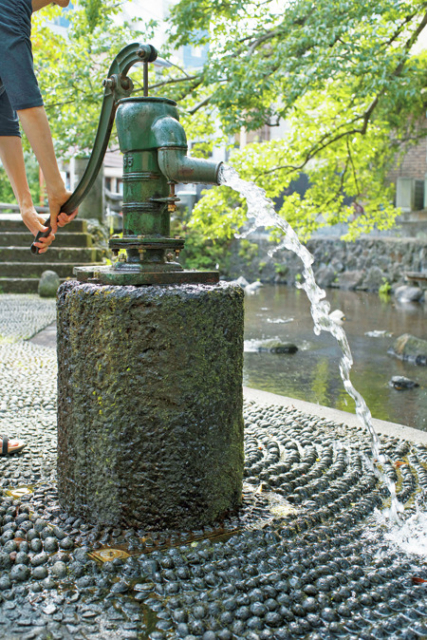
(154,147)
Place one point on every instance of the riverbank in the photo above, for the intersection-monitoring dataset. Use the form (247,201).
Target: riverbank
(382,427)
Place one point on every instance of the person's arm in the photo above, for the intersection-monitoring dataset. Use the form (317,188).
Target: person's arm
(12,158)
(39,4)
(36,127)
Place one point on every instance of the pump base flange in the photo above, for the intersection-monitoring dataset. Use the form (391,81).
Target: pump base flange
(109,275)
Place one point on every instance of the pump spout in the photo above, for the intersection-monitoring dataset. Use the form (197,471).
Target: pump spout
(176,166)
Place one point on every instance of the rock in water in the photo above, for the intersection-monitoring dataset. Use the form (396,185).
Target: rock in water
(241,281)
(325,276)
(400,383)
(254,286)
(48,284)
(374,279)
(408,294)
(407,347)
(351,279)
(275,346)
(285,348)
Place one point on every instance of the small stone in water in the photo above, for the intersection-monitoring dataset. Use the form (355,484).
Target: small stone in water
(401,382)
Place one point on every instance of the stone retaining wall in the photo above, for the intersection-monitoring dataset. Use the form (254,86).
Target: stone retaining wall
(364,264)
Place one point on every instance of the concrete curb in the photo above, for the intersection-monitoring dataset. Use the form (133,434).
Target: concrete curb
(382,427)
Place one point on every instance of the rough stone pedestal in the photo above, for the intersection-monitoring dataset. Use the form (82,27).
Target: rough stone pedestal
(150,427)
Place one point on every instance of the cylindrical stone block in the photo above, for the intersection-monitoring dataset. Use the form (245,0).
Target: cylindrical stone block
(150,426)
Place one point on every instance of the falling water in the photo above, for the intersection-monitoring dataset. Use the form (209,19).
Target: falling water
(261,213)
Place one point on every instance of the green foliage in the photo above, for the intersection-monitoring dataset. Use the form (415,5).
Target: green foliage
(280,269)
(6,191)
(200,252)
(71,71)
(248,250)
(93,10)
(345,75)
(32,171)
(385,289)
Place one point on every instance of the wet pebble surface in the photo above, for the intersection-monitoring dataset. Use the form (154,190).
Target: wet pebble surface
(305,557)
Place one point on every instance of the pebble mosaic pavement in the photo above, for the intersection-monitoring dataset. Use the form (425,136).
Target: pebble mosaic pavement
(304,558)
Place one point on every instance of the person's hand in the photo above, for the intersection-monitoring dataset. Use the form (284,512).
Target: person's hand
(35,223)
(58,219)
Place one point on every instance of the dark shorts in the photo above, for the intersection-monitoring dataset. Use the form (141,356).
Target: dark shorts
(18,83)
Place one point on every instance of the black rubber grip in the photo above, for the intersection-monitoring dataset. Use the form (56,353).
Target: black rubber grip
(41,234)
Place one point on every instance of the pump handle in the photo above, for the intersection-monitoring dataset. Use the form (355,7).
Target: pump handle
(117,86)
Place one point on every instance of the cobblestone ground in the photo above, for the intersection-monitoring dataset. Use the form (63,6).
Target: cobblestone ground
(304,558)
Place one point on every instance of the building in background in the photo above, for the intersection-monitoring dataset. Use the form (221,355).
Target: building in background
(410,175)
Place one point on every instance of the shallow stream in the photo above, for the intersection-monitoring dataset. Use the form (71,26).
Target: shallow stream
(312,373)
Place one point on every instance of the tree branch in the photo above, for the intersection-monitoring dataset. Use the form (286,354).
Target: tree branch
(401,27)
(261,39)
(172,64)
(366,116)
(315,149)
(201,104)
(353,168)
(340,187)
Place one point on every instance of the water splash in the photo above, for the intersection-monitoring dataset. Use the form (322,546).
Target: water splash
(279,320)
(261,213)
(411,536)
(379,334)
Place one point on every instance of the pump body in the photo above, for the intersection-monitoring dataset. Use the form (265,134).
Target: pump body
(154,147)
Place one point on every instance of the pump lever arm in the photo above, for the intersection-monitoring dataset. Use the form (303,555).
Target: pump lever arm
(117,86)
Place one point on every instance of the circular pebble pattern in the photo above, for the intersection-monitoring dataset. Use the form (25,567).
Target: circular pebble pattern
(305,557)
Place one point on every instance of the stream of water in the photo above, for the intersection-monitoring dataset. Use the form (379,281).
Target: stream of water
(261,213)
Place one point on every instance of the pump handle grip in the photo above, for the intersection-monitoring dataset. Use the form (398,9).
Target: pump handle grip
(117,86)
(68,207)
(41,234)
